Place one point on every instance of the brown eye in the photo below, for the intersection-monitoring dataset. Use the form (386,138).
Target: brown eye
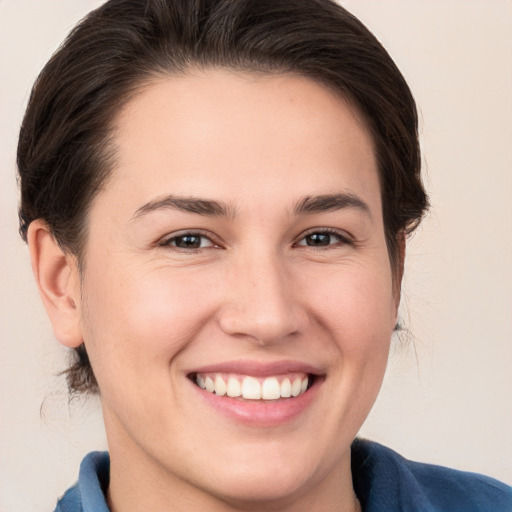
(322,239)
(190,241)
(318,239)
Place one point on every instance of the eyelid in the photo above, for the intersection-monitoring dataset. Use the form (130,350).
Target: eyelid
(341,234)
(165,240)
(344,237)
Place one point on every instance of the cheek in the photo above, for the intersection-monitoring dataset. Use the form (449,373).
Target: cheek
(135,322)
(356,304)
(356,310)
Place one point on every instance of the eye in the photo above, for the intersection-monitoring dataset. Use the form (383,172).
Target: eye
(323,238)
(190,241)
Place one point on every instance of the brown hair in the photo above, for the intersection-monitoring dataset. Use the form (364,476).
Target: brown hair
(65,151)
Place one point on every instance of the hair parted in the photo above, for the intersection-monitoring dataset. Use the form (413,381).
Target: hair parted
(66,148)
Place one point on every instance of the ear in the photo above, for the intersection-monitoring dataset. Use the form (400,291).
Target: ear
(399,268)
(57,278)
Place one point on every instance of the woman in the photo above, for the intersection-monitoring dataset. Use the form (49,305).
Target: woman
(216,198)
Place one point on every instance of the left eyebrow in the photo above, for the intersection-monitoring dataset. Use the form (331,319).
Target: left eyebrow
(329,203)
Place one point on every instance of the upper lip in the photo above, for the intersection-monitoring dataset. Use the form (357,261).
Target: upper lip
(258,368)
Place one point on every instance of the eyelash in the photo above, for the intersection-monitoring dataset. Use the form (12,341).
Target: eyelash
(167,242)
(343,239)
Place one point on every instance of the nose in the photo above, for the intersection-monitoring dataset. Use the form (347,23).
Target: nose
(262,301)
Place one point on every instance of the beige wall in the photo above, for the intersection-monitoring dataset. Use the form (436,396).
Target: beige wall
(447,397)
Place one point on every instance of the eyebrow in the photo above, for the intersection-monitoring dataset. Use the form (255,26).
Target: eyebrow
(208,207)
(329,203)
(196,205)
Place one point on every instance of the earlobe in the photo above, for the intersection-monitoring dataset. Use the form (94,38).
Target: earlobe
(57,278)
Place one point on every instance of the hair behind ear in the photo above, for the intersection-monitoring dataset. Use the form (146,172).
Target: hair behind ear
(399,265)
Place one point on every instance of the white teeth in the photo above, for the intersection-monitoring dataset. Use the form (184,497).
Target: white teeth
(220,386)
(270,390)
(286,388)
(251,388)
(296,387)
(234,388)
(209,385)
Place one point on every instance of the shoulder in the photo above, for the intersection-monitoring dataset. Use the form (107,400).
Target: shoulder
(88,494)
(384,480)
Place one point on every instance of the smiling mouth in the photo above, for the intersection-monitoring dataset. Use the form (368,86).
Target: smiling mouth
(247,387)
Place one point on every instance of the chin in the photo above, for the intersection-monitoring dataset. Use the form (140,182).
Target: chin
(262,490)
(266,481)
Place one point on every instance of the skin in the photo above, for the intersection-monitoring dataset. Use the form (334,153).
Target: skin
(150,312)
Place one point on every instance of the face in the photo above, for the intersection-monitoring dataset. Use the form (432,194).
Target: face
(238,248)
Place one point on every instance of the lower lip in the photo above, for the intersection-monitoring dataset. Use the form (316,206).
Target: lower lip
(263,413)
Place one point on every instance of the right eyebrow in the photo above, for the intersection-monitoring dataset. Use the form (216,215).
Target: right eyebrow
(196,205)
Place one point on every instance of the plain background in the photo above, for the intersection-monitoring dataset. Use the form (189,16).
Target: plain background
(448,392)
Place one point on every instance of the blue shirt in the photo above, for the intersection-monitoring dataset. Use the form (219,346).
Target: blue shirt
(383,480)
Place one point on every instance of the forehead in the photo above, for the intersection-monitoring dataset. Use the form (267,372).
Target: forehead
(221,132)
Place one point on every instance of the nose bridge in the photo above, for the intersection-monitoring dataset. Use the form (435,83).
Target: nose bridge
(261,301)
